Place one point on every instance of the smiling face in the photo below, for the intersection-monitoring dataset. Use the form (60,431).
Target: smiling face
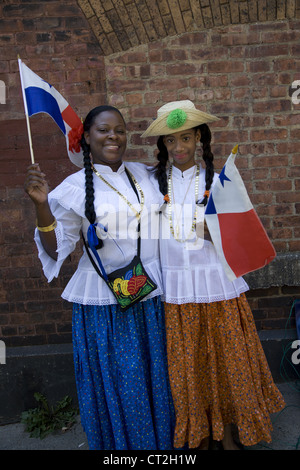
(181,147)
(107,139)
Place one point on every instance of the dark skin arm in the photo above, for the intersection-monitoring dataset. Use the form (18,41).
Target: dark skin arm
(37,189)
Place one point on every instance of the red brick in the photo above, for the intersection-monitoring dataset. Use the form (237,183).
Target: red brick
(205,53)
(167,83)
(10,26)
(117,86)
(239,80)
(229,108)
(272,106)
(134,58)
(278,91)
(238,39)
(295,134)
(259,66)
(21,11)
(287,197)
(169,96)
(261,51)
(279,36)
(197,82)
(181,69)
(152,97)
(134,98)
(276,210)
(294,172)
(259,198)
(294,245)
(285,78)
(174,55)
(273,186)
(287,120)
(225,67)
(268,134)
(155,55)
(232,136)
(288,63)
(142,112)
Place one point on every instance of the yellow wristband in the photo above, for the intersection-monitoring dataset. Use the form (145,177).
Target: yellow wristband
(47,229)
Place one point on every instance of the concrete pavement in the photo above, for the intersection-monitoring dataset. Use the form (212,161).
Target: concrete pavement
(286,433)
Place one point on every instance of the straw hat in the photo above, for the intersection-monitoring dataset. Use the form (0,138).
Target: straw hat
(177,116)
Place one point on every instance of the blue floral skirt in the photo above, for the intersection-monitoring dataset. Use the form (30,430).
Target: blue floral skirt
(121,376)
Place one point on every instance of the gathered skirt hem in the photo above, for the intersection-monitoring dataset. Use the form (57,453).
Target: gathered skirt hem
(219,373)
(121,376)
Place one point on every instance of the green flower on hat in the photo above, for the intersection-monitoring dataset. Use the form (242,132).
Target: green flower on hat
(176,118)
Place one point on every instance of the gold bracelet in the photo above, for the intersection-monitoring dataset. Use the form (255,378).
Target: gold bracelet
(47,229)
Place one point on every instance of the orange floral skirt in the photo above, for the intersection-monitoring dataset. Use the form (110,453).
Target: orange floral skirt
(219,373)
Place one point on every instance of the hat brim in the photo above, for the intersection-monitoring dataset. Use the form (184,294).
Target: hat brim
(194,118)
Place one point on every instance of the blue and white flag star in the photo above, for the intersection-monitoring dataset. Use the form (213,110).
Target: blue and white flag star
(239,237)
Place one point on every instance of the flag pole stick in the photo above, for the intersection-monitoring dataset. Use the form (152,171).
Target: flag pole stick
(29,138)
(26,112)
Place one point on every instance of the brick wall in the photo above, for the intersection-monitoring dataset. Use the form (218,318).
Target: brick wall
(243,73)
(273,307)
(54,39)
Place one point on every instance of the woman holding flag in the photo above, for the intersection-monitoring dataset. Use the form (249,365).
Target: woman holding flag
(218,371)
(118,327)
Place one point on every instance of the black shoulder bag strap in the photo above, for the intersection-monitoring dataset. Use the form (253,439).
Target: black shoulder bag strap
(138,231)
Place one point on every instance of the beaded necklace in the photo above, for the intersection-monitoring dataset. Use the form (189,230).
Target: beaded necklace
(169,202)
(137,213)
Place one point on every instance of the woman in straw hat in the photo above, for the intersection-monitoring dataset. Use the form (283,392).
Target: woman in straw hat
(218,371)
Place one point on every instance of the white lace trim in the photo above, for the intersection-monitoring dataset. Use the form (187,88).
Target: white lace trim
(203,299)
(112,301)
(50,266)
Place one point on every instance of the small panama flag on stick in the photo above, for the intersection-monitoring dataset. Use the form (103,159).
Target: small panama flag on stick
(41,97)
(239,237)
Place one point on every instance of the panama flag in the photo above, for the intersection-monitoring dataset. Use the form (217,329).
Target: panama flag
(238,235)
(40,97)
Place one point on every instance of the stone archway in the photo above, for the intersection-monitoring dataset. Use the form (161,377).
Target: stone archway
(121,24)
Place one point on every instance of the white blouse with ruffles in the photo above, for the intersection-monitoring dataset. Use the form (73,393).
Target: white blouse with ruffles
(117,228)
(192,272)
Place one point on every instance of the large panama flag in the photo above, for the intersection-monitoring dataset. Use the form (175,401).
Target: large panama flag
(239,237)
(41,97)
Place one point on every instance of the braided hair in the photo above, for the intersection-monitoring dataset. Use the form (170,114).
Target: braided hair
(89,182)
(160,169)
(207,155)
(208,158)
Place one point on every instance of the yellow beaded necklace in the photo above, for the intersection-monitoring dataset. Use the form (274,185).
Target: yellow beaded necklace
(137,213)
(169,202)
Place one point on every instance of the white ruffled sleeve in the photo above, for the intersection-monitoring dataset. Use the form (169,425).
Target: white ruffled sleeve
(67,231)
